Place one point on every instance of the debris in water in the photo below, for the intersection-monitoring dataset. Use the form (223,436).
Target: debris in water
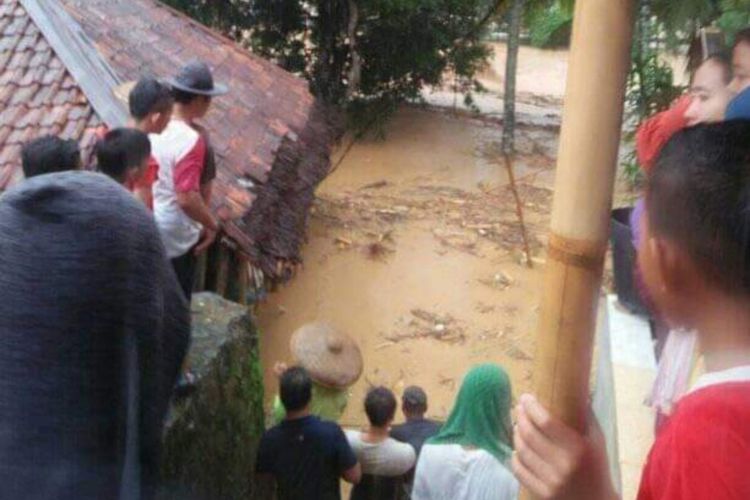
(384,345)
(426,324)
(377,251)
(376,185)
(499,281)
(483,308)
(516,353)
(343,242)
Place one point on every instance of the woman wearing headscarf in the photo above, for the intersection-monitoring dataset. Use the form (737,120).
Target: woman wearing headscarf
(93,329)
(467,459)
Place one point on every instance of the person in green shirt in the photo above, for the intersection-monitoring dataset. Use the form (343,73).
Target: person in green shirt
(334,362)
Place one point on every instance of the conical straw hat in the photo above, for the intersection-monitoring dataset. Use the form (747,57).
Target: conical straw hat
(332,358)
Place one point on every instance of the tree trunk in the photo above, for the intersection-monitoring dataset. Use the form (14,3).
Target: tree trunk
(511,65)
(355,70)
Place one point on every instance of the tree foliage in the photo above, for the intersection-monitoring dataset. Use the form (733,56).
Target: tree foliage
(355,51)
(550,23)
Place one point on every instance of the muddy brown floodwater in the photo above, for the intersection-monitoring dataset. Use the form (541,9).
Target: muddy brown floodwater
(414,249)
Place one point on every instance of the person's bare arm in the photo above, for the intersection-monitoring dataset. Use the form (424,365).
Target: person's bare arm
(207,190)
(353,475)
(554,461)
(193,205)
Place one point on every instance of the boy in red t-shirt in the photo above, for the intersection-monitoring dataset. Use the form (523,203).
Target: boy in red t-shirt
(150,103)
(695,253)
(123,154)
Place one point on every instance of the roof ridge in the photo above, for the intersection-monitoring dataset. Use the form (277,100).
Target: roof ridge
(80,57)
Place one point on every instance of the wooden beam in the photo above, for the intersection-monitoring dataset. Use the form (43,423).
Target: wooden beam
(80,57)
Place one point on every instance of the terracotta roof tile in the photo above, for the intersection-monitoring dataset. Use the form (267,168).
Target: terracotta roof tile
(37,95)
(268,132)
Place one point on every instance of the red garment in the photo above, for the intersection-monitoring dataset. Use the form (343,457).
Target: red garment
(144,181)
(654,133)
(704,450)
(188,169)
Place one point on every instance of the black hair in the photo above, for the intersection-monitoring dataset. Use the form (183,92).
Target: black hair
(722,60)
(182,97)
(48,154)
(698,195)
(149,96)
(380,406)
(742,36)
(120,150)
(295,389)
(414,400)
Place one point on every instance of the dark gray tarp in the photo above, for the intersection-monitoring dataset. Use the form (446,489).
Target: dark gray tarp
(93,330)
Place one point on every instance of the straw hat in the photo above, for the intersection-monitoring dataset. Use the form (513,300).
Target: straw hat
(332,358)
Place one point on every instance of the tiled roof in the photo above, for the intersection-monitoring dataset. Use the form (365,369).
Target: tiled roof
(270,136)
(144,37)
(38,95)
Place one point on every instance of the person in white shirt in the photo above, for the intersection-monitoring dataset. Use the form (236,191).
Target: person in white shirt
(467,459)
(384,460)
(182,213)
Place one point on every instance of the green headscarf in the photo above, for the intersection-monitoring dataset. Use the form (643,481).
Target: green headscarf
(481,414)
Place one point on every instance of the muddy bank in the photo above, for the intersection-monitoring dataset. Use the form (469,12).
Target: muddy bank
(415,250)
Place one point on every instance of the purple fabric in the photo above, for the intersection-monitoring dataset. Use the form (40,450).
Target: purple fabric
(635,221)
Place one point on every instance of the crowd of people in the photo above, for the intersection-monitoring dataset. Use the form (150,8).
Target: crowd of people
(96,322)
(465,458)
(692,231)
(95,326)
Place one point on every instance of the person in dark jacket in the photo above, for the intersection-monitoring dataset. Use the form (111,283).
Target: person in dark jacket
(93,330)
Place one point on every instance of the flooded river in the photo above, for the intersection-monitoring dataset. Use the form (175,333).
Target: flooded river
(414,249)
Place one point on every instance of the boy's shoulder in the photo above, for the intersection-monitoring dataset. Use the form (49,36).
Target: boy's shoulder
(707,416)
(703,450)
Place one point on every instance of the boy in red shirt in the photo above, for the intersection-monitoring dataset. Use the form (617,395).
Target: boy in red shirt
(695,251)
(150,103)
(124,155)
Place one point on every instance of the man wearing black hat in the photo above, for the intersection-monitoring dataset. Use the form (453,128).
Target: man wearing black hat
(182,191)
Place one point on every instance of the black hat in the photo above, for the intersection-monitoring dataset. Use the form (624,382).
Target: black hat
(196,78)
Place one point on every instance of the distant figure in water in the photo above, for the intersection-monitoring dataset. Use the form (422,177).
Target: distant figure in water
(93,329)
(417,429)
(469,458)
(333,361)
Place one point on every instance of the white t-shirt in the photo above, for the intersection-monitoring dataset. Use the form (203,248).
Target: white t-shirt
(180,152)
(451,472)
(387,458)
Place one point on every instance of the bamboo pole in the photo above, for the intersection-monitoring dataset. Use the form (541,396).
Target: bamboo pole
(579,230)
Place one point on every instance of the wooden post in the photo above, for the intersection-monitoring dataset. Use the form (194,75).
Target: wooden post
(579,230)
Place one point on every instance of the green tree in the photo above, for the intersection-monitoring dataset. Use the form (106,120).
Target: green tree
(361,52)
